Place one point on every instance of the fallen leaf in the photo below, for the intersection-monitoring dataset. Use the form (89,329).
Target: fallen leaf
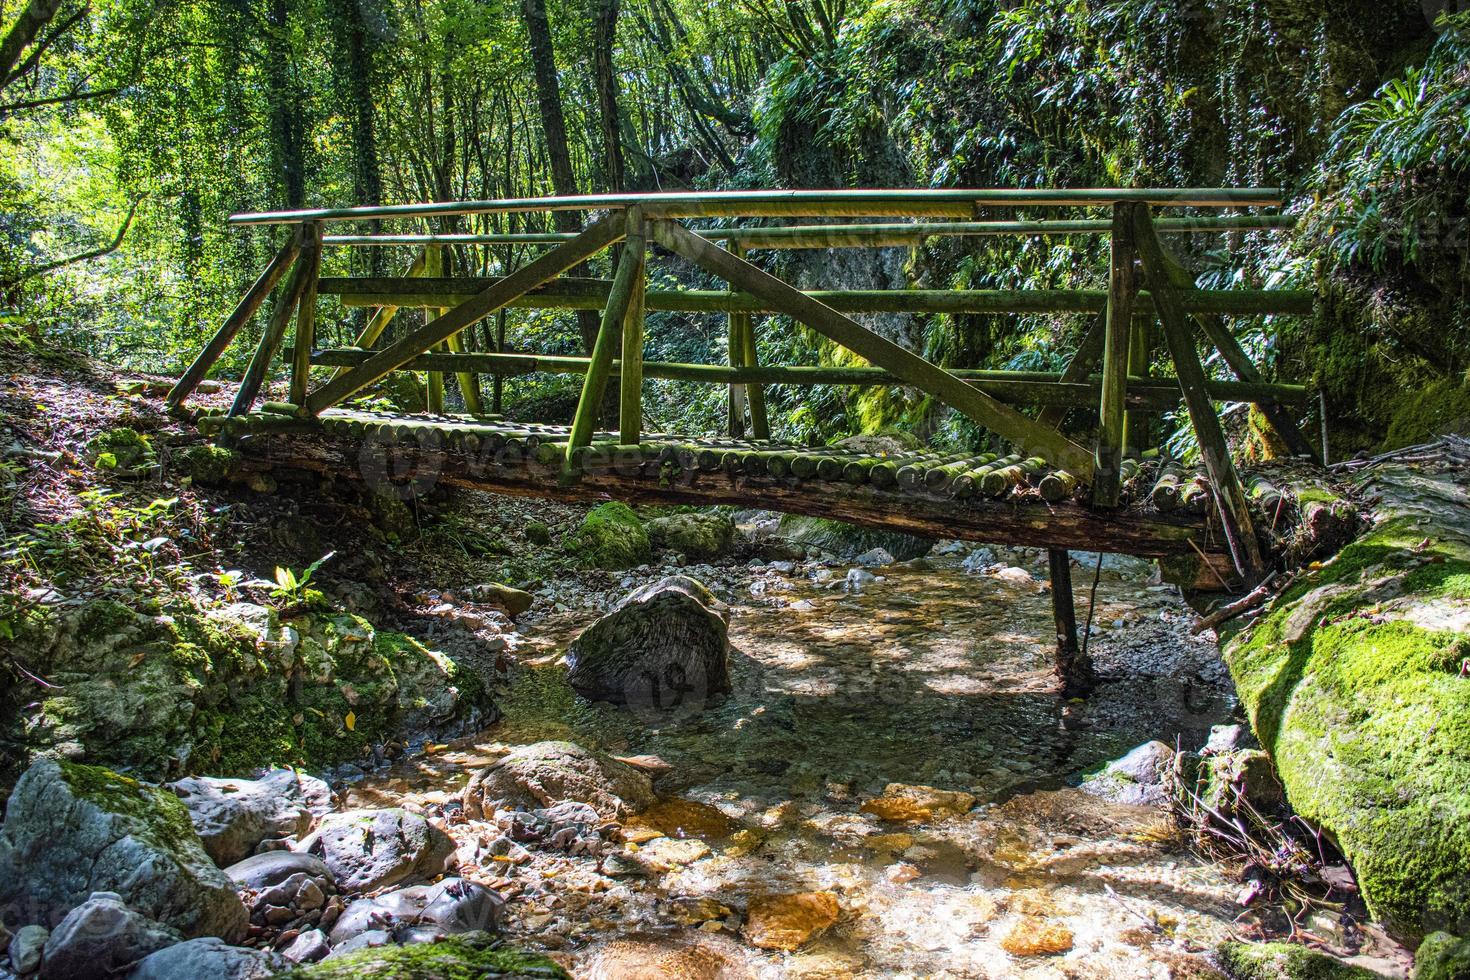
(350,721)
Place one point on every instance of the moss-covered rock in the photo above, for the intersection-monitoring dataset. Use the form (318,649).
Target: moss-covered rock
(612,537)
(699,537)
(847,541)
(121,450)
(1442,956)
(1432,410)
(229,690)
(1353,682)
(208,464)
(1285,961)
(472,956)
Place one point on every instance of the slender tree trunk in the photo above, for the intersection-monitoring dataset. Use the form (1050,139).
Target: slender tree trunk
(288,136)
(604,35)
(356,53)
(27,26)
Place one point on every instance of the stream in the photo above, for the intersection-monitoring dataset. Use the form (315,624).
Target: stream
(937,673)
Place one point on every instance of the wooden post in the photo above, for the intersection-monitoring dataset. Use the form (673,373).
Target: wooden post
(435,398)
(908,366)
(735,347)
(306,315)
(1073,669)
(1235,516)
(1136,423)
(630,401)
(249,303)
(275,330)
(548,266)
(595,383)
(1121,293)
(497,392)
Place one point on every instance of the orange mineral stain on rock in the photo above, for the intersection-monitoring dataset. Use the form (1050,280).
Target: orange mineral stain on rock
(1032,936)
(786,921)
(901,803)
(685,818)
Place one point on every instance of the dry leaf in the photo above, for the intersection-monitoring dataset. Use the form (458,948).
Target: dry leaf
(350,721)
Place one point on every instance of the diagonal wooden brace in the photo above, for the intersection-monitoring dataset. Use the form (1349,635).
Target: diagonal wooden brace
(542,269)
(909,367)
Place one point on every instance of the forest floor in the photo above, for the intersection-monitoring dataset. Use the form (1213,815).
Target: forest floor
(932,674)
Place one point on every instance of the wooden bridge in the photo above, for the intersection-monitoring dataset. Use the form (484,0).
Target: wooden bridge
(1045,489)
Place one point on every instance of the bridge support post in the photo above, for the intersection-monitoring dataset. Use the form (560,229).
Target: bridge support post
(735,345)
(1122,292)
(1074,669)
(630,391)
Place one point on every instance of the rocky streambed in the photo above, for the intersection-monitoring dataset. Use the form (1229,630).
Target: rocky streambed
(890,787)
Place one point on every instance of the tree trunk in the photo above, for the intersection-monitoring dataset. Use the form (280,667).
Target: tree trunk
(288,136)
(604,35)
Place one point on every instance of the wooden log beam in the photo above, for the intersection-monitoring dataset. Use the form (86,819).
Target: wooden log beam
(735,357)
(243,311)
(913,369)
(591,294)
(1074,670)
(306,315)
(545,267)
(1235,515)
(908,203)
(630,394)
(275,330)
(1117,335)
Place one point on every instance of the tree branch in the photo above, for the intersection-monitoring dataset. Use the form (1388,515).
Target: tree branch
(95,253)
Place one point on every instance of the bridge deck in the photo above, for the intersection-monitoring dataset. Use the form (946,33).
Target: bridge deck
(1000,500)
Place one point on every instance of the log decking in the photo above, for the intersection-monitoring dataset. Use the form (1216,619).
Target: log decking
(1048,486)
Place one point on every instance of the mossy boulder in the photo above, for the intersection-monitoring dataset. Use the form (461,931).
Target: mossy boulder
(1423,413)
(1285,961)
(1354,682)
(208,464)
(611,537)
(472,956)
(848,541)
(233,689)
(1442,956)
(698,537)
(123,450)
(71,830)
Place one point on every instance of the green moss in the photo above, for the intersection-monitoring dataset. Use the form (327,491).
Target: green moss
(1284,961)
(119,449)
(162,819)
(701,537)
(537,533)
(611,537)
(1442,957)
(467,957)
(1426,412)
(208,464)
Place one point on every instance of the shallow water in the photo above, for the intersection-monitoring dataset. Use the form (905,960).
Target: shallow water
(929,676)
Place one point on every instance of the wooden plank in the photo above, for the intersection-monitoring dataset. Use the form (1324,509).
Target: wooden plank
(594,385)
(630,390)
(244,310)
(434,398)
(1078,369)
(908,203)
(911,368)
(1117,334)
(1235,516)
(561,258)
(270,338)
(306,316)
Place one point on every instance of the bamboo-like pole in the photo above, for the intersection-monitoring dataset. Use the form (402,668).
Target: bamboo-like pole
(435,396)
(306,315)
(1140,354)
(595,384)
(630,394)
(275,330)
(735,347)
(1235,515)
(591,294)
(913,369)
(914,203)
(1117,333)
(755,396)
(555,262)
(244,310)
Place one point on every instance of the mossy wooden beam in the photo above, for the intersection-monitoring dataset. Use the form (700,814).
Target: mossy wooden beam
(594,385)
(760,426)
(911,368)
(915,203)
(541,269)
(306,314)
(591,294)
(1136,424)
(1235,515)
(735,357)
(243,311)
(630,393)
(1117,335)
(275,329)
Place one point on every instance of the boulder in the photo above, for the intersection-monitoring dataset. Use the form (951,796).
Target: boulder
(611,537)
(233,816)
(71,830)
(696,536)
(368,849)
(308,947)
(661,647)
(26,947)
(1442,956)
(99,937)
(1352,681)
(211,958)
(1138,778)
(513,601)
(1285,961)
(547,773)
(469,955)
(262,871)
(847,541)
(446,907)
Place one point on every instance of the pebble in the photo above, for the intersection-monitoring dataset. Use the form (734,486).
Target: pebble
(785,922)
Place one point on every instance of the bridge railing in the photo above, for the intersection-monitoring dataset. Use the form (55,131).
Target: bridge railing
(1110,370)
